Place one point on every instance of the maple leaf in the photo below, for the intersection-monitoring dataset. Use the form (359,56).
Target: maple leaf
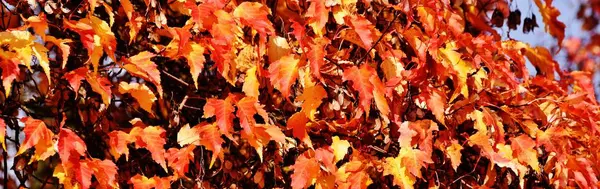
(452,59)
(188,135)
(306,169)
(74,78)
(179,159)
(10,71)
(524,147)
(2,133)
(141,93)
(141,65)
(453,152)
(360,78)
(74,173)
(550,16)
(379,96)
(435,100)
(223,110)
(284,72)
(69,142)
(316,55)
(100,85)
(39,24)
(254,14)
(258,135)
(312,97)
(39,136)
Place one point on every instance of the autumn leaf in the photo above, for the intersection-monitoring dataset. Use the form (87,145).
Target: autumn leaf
(179,159)
(340,148)
(69,142)
(254,14)
(297,123)
(524,147)
(100,85)
(142,66)
(223,111)
(312,97)
(550,16)
(306,169)
(251,83)
(39,136)
(105,172)
(151,138)
(118,141)
(64,48)
(211,139)
(363,27)
(284,72)
(317,15)
(143,182)
(453,152)
(360,78)
(196,60)
(140,92)
(353,175)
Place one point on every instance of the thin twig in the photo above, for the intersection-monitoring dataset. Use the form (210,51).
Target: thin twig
(175,78)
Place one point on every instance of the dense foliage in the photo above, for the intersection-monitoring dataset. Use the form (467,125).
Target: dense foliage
(289,93)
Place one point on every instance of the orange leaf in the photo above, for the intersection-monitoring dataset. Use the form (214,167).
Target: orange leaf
(312,97)
(223,110)
(142,94)
(69,142)
(254,14)
(39,136)
(340,148)
(65,49)
(284,72)
(100,85)
(143,182)
(361,82)
(105,172)
(203,134)
(317,15)
(118,141)
(316,54)
(524,147)
(142,66)
(305,170)
(195,59)
(550,15)
(297,122)
(363,27)
(179,159)
(153,139)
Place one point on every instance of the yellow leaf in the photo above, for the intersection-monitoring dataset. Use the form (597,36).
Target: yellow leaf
(340,148)
(251,83)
